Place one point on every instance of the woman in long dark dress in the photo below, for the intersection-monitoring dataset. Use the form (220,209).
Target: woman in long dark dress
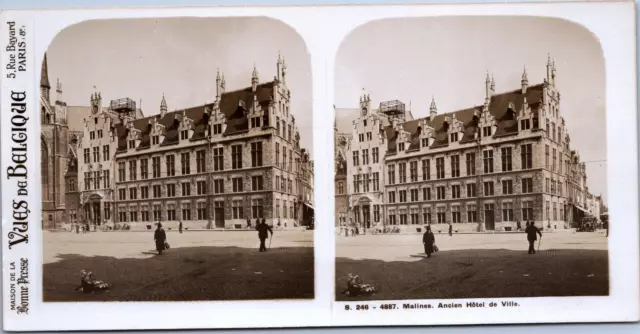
(428,239)
(160,237)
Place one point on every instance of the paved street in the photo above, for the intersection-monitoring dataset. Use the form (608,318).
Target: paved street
(201,265)
(475,265)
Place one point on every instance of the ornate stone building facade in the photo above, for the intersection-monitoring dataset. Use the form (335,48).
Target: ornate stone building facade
(210,166)
(485,167)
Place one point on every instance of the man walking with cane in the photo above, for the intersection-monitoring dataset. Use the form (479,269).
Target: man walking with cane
(532,235)
(263,233)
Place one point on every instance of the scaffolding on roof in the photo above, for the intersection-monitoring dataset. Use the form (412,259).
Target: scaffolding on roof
(123,105)
(395,110)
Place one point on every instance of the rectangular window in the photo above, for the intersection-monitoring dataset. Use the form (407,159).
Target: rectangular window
(171,190)
(553,165)
(132,170)
(425,142)
(155,166)
(144,214)
(402,172)
(525,124)
(507,212)
(375,155)
(546,156)
(426,170)
(369,136)
(426,194)
(156,212)
(132,144)
(442,218)
(155,140)
(201,209)
(413,171)
(471,190)
(201,161)
(401,147)
(171,212)
(455,191)
(256,154)
(486,131)
(133,193)
(96,180)
(506,159)
(99,133)
(546,209)
(236,209)
(201,187)
(365,183)
(87,156)
(527,185)
(184,134)
(256,182)
(218,186)
(439,168)
(526,156)
(376,213)
(365,157)
(186,211)
(527,210)
(455,166)
(87,180)
(218,159)
(487,161)
(237,184)
(376,181)
(392,174)
(426,216)
(440,192)
(156,191)
(455,214)
(217,129)
(356,159)
(414,195)
(555,212)
(236,156)
(92,135)
(96,154)
(186,189)
(144,169)
(121,172)
(105,153)
(277,154)
(507,187)
(547,188)
(144,192)
(185,162)
(472,215)
(277,183)
(392,196)
(488,188)
(403,196)
(170,161)
(256,208)
(122,194)
(255,122)
(356,183)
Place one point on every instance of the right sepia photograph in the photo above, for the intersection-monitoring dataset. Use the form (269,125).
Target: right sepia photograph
(470,160)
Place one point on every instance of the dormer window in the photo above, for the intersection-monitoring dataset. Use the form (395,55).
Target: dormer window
(255,122)
(184,134)
(486,131)
(454,137)
(217,129)
(155,140)
(132,144)
(401,147)
(425,142)
(525,124)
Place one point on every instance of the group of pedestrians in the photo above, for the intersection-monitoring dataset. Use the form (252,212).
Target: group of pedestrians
(264,230)
(80,227)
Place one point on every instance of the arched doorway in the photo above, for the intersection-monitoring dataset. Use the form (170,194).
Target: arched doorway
(364,204)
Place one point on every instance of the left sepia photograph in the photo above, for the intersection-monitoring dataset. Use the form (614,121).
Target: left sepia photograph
(176,161)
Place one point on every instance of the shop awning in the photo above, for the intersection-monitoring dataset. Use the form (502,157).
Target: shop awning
(308,205)
(581,208)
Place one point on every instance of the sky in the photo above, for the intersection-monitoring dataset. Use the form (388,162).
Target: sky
(178,57)
(448,58)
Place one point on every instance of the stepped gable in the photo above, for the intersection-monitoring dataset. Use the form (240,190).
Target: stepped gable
(230,106)
(499,107)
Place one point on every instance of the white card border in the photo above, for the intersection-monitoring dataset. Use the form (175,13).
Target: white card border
(323,29)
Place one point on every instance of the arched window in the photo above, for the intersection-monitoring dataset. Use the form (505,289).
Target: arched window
(44,169)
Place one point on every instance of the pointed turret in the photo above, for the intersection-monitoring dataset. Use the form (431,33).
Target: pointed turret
(254,79)
(524,82)
(218,85)
(433,109)
(487,85)
(163,107)
(553,73)
(223,84)
(284,71)
(44,75)
(549,67)
(493,85)
(279,64)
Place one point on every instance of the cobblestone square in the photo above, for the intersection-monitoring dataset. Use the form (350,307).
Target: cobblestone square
(475,266)
(200,265)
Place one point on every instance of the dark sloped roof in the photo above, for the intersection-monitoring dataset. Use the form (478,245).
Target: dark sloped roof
(230,105)
(499,107)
